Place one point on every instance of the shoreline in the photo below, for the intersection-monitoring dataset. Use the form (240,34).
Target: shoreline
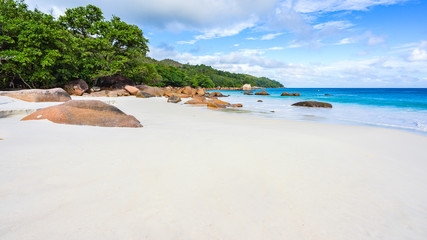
(404,112)
(191,173)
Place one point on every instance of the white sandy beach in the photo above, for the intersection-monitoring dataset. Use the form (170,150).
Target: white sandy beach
(191,173)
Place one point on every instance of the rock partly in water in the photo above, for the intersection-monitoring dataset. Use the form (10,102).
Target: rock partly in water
(39,95)
(313,104)
(131,89)
(290,94)
(174,99)
(142,94)
(215,94)
(116,81)
(76,87)
(246,87)
(248,93)
(262,93)
(85,112)
(259,101)
(200,92)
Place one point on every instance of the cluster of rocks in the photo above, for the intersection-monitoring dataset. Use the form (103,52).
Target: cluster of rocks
(298,104)
(119,86)
(246,87)
(290,94)
(97,113)
(213,102)
(313,104)
(74,112)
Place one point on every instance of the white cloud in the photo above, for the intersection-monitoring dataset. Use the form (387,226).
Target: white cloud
(333,25)
(222,18)
(345,41)
(373,72)
(172,14)
(375,40)
(276,48)
(368,37)
(310,6)
(221,32)
(419,53)
(203,16)
(191,42)
(270,36)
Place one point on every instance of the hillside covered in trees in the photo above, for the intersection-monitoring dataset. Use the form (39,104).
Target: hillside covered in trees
(39,51)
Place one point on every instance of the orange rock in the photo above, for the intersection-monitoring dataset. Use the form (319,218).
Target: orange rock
(131,89)
(193,92)
(290,94)
(142,94)
(76,87)
(200,98)
(214,105)
(216,94)
(185,96)
(262,93)
(187,91)
(174,99)
(168,94)
(219,102)
(237,105)
(200,92)
(196,101)
(156,91)
(117,93)
(39,95)
(102,93)
(85,112)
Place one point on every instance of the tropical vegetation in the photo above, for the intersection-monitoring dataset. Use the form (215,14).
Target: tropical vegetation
(40,51)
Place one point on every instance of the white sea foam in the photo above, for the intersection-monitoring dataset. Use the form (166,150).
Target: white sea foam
(342,113)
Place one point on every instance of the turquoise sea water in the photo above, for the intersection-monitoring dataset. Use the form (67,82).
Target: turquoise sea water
(402,108)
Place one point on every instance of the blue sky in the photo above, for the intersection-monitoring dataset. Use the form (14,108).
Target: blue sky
(301,43)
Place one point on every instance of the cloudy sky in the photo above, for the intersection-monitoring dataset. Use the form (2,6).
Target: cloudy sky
(301,43)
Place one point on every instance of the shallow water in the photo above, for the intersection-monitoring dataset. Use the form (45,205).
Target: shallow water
(401,108)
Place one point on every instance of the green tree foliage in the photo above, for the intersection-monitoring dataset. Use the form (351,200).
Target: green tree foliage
(171,75)
(37,50)
(176,74)
(104,47)
(32,47)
